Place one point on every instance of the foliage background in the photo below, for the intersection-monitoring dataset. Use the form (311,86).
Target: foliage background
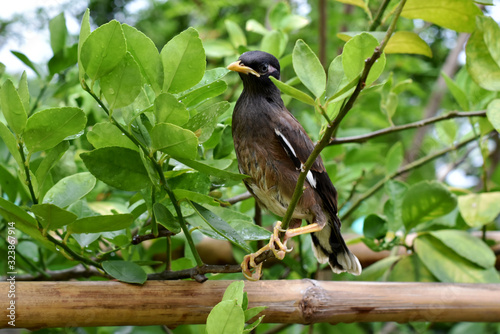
(91,213)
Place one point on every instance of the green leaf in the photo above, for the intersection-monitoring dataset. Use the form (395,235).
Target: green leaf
(447,131)
(204,122)
(293,92)
(52,217)
(408,42)
(336,79)
(165,218)
(425,201)
(218,49)
(226,317)
(410,269)
(146,55)
(51,158)
(374,227)
(84,34)
(70,189)
(256,27)
(12,107)
(308,68)
(278,13)
(493,113)
(95,224)
(125,271)
(234,292)
(22,57)
(10,141)
(221,227)
(236,35)
(479,209)
(254,311)
(491,36)
(448,266)
(182,194)
(376,271)
(394,158)
(274,42)
(213,167)
(389,104)
(356,51)
(175,141)
(23,91)
(358,3)
(49,127)
(240,222)
(396,191)
(103,50)
(467,246)
(24,222)
(481,65)
(183,59)
(106,134)
(58,33)
(204,93)
(123,84)
(456,15)
(168,109)
(457,92)
(117,166)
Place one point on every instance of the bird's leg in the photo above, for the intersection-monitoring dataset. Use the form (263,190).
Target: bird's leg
(315,227)
(279,252)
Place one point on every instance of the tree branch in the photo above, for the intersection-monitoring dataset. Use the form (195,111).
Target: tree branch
(394,129)
(403,170)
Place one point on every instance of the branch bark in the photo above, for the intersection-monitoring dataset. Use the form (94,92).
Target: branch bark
(172,303)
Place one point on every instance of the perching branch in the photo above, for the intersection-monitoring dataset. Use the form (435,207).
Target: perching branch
(394,129)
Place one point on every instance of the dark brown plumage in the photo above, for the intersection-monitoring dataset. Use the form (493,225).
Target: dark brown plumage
(271,147)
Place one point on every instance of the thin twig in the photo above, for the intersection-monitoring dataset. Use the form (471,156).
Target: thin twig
(378,16)
(137,239)
(238,198)
(402,170)
(394,129)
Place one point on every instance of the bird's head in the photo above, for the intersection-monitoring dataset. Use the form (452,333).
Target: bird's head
(255,68)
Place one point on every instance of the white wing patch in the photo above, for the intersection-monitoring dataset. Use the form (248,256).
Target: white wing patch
(311,179)
(290,148)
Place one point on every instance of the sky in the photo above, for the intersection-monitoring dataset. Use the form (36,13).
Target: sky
(35,42)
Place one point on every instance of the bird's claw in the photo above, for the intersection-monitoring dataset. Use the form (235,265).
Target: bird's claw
(280,251)
(252,271)
(248,264)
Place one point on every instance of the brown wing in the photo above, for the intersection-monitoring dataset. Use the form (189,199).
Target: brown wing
(298,147)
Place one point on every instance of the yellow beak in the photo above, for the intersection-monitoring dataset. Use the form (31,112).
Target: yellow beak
(237,66)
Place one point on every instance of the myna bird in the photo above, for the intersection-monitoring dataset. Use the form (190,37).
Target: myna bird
(271,147)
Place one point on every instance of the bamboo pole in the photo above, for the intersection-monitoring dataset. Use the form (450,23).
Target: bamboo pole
(172,303)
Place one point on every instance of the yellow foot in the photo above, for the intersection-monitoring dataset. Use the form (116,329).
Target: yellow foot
(248,265)
(253,271)
(281,250)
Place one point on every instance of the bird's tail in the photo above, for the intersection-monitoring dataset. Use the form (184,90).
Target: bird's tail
(329,246)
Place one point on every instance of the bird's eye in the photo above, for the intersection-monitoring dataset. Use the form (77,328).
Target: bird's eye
(264,68)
